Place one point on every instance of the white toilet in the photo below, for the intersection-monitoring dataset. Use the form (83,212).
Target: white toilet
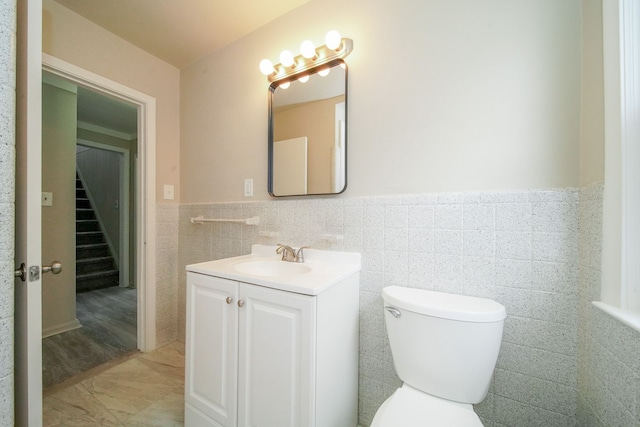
(444,349)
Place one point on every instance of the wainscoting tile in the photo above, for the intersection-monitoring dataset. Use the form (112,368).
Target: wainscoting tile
(479,243)
(6,351)
(6,399)
(7,170)
(510,413)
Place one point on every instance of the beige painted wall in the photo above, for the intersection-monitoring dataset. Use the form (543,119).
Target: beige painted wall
(59,220)
(592,148)
(443,96)
(72,38)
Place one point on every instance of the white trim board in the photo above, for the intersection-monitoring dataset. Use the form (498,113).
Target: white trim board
(105,131)
(58,329)
(145,183)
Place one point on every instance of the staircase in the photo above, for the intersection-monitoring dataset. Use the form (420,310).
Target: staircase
(95,267)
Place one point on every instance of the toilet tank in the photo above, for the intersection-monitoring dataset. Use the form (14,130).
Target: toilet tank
(443,344)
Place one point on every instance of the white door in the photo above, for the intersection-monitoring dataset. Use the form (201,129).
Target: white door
(276,358)
(290,166)
(211,352)
(28,308)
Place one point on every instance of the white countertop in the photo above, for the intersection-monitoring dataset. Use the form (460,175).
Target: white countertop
(326,269)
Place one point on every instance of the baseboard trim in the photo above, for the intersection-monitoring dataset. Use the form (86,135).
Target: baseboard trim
(58,329)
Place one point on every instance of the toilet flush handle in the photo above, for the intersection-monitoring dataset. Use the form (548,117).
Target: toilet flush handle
(394,311)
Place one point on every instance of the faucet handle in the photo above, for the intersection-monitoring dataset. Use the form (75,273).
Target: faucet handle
(287,252)
(300,254)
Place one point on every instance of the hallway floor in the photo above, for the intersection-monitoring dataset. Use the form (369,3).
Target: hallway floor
(137,390)
(108,332)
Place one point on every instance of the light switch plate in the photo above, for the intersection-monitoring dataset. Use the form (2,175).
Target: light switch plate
(47,198)
(248,187)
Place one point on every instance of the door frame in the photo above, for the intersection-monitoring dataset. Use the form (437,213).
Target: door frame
(145,252)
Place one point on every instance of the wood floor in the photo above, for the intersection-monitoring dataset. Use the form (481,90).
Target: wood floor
(109,331)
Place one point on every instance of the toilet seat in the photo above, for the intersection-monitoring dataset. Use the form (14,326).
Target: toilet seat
(408,407)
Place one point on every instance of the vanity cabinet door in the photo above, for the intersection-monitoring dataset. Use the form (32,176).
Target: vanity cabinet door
(276,358)
(211,352)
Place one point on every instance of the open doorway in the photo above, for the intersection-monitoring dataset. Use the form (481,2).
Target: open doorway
(90,312)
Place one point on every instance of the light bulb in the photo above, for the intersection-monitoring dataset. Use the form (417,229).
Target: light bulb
(333,40)
(308,49)
(266,67)
(285,85)
(304,79)
(324,72)
(286,58)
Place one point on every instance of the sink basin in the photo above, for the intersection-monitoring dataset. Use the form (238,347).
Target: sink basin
(271,268)
(263,267)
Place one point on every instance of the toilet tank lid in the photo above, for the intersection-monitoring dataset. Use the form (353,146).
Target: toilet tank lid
(444,305)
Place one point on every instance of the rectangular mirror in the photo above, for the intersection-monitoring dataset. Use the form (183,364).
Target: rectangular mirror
(307,132)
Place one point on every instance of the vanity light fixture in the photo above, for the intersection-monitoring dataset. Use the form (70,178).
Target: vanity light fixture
(335,47)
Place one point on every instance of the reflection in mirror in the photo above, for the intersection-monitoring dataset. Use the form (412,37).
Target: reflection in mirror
(307,133)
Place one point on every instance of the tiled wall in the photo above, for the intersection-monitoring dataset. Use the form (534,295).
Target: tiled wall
(167,274)
(7,209)
(520,248)
(609,352)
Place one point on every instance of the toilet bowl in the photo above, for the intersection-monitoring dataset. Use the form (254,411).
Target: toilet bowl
(408,407)
(444,349)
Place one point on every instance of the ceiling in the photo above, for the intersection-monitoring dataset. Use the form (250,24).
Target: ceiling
(106,112)
(181,32)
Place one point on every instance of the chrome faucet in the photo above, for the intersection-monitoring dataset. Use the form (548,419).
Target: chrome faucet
(289,254)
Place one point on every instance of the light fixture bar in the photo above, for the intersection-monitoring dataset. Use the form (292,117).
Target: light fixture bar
(324,55)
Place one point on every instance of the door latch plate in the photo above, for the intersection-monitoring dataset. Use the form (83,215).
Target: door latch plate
(34,273)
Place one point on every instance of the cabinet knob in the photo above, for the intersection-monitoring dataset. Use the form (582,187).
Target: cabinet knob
(229,300)
(240,303)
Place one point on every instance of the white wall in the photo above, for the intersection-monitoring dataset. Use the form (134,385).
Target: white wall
(443,96)
(72,38)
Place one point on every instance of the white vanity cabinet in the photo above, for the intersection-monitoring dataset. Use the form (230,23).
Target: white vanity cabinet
(261,356)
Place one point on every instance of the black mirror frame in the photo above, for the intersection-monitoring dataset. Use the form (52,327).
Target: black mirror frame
(272,88)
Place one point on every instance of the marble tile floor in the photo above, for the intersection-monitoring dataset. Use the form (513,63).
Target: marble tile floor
(141,389)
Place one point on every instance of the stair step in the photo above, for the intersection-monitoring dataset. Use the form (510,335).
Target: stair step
(85,214)
(91,251)
(83,203)
(89,238)
(92,281)
(94,265)
(87,225)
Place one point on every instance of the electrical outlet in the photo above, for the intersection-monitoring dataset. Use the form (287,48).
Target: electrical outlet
(248,187)
(168,192)
(47,199)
